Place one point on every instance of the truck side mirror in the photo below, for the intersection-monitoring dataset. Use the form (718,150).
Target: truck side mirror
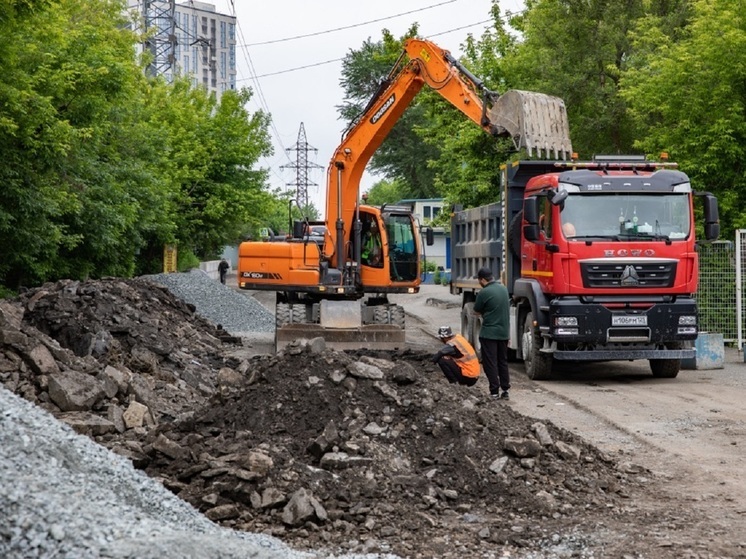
(712,216)
(429,236)
(531,232)
(557,197)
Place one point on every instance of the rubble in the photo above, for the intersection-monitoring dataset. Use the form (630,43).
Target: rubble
(352,451)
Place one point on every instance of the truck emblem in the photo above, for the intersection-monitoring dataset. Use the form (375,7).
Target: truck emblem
(623,252)
(630,277)
(385,107)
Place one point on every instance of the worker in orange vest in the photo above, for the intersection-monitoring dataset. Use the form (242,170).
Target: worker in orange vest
(457,358)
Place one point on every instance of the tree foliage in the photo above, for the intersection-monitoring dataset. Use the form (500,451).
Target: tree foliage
(687,93)
(102,166)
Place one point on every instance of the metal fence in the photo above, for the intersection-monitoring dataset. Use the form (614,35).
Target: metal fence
(717,295)
(741,259)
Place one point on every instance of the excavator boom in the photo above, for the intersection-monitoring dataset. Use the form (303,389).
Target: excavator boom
(319,285)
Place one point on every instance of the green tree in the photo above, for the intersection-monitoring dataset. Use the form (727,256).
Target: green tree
(101,166)
(214,148)
(687,95)
(68,89)
(386,192)
(577,50)
(467,170)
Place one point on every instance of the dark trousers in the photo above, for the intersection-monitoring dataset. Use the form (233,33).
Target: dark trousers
(453,372)
(495,364)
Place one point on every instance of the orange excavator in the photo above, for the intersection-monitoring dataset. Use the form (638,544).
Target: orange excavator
(337,286)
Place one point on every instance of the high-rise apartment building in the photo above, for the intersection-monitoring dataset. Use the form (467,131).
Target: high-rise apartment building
(190,39)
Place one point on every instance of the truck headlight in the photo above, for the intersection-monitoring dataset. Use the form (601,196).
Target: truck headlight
(566,321)
(687,320)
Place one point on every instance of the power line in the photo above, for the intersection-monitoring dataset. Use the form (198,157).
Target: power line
(334,30)
(296,68)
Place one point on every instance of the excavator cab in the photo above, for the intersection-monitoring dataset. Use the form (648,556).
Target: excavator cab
(389,249)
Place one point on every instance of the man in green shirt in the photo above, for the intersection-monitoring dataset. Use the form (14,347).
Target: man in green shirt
(493,304)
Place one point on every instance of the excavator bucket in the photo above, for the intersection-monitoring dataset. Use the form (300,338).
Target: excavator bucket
(535,121)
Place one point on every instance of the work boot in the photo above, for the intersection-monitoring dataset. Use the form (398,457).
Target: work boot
(505,395)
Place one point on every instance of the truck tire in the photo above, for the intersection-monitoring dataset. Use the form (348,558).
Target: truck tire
(538,364)
(665,368)
(514,234)
(467,317)
(476,329)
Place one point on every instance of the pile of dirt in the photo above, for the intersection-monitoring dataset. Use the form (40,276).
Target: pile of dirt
(354,451)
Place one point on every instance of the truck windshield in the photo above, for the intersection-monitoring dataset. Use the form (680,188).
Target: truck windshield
(619,216)
(402,247)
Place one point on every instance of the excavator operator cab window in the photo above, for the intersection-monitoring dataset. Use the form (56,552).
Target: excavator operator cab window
(400,230)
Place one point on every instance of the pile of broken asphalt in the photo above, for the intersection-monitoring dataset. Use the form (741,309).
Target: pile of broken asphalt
(351,451)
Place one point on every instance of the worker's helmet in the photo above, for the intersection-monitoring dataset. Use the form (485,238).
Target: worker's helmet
(445,332)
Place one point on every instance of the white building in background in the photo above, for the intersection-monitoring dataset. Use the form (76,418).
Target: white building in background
(189,39)
(424,211)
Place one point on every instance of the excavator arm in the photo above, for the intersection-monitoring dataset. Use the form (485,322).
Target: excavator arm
(534,121)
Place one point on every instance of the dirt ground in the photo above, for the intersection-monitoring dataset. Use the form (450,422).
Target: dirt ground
(375,452)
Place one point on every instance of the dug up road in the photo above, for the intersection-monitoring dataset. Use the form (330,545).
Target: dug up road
(687,433)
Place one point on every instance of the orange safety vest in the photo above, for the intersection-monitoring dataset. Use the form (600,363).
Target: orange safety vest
(468,361)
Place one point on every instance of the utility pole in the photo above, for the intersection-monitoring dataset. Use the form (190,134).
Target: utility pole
(301,167)
(160,28)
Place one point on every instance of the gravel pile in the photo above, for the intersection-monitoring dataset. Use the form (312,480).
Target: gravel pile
(64,496)
(235,312)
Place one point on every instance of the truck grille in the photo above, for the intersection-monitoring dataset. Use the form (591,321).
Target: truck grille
(628,274)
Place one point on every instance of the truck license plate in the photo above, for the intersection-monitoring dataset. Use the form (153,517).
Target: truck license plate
(629,320)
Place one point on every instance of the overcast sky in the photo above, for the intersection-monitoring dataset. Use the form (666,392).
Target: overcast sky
(310,95)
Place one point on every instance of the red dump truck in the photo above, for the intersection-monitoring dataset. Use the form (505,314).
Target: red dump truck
(599,258)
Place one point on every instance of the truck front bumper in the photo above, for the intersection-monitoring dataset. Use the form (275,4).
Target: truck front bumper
(595,329)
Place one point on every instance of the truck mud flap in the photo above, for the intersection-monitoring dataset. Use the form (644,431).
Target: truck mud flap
(622,354)
(372,336)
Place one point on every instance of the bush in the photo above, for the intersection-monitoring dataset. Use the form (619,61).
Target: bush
(436,277)
(429,266)
(186,260)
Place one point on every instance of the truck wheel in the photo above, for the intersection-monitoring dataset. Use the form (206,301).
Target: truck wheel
(514,234)
(476,329)
(538,364)
(665,368)
(467,317)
